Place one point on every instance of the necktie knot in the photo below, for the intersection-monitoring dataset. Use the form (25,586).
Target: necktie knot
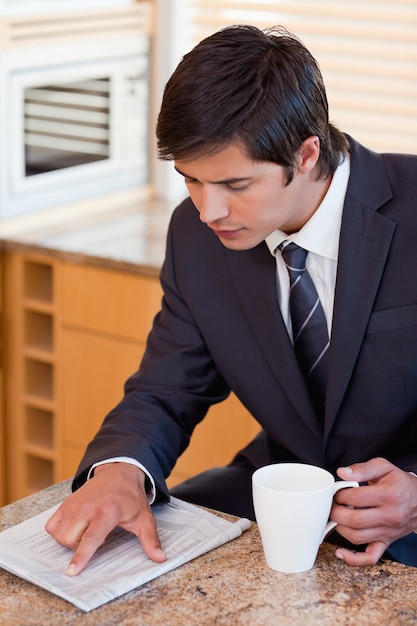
(295,259)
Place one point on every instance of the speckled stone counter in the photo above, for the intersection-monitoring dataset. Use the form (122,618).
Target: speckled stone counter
(129,238)
(229,586)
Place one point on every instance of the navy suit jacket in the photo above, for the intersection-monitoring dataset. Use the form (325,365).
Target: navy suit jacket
(220,329)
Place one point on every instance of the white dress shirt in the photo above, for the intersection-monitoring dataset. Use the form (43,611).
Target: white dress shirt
(320,236)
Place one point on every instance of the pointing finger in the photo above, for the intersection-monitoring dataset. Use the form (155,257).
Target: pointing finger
(93,537)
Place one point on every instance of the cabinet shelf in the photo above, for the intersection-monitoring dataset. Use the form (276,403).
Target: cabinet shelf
(38,355)
(38,328)
(39,379)
(39,426)
(38,281)
(40,403)
(32,356)
(32,304)
(39,452)
(39,473)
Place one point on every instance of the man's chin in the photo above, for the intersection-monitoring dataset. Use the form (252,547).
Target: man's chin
(239,245)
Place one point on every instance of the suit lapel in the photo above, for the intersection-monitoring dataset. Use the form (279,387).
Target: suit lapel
(365,241)
(253,276)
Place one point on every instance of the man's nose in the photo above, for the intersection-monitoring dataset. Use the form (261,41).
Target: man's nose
(212,205)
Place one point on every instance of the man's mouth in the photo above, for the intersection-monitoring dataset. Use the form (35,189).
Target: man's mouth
(226,233)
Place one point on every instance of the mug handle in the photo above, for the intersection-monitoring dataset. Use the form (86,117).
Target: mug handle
(339,484)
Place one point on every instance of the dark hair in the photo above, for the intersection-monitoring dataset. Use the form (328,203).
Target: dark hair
(262,89)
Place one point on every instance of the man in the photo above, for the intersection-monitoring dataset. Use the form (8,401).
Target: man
(245,119)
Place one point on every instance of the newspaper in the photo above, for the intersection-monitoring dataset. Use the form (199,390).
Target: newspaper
(119,565)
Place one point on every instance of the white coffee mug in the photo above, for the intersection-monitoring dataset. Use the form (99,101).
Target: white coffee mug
(292,504)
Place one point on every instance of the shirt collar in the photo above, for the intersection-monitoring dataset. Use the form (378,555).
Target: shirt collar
(320,234)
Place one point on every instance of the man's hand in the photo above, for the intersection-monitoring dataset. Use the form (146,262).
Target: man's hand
(115,496)
(384,510)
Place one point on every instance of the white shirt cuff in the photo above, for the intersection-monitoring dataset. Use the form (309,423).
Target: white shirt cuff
(151,493)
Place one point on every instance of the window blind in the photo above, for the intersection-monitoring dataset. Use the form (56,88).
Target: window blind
(367,51)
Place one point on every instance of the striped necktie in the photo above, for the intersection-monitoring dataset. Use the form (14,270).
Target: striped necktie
(309,326)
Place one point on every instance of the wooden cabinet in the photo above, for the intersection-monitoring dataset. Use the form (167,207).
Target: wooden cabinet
(74,333)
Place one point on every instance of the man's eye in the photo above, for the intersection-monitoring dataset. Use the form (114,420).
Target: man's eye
(237,189)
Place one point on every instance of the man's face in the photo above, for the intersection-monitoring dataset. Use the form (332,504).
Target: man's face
(243,201)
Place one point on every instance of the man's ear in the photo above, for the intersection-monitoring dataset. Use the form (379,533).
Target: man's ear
(308,154)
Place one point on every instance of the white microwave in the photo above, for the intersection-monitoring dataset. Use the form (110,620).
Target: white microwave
(74,122)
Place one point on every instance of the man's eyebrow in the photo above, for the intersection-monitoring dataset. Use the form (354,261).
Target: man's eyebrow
(182,173)
(225,181)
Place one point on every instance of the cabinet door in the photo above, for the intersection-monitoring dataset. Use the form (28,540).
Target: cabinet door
(106,301)
(94,369)
(106,317)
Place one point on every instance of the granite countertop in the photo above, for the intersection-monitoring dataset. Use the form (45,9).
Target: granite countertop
(229,586)
(130,237)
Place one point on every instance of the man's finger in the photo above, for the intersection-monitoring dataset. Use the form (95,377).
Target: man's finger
(91,540)
(149,538)
(54,521)
(364,472)
(371,556)
(68,534)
